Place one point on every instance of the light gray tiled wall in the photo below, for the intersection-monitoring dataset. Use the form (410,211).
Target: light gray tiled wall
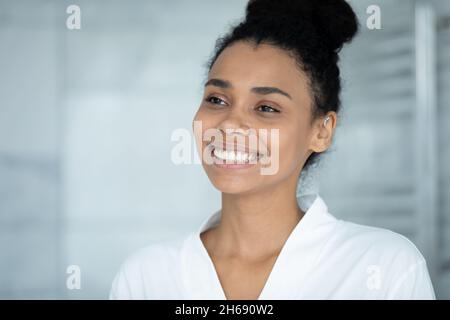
(30,184)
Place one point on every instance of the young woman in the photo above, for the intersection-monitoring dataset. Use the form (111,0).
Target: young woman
(275,71)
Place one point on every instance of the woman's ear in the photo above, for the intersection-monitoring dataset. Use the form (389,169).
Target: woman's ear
(323,130)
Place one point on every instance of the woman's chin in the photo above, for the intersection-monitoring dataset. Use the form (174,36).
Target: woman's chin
(233,186)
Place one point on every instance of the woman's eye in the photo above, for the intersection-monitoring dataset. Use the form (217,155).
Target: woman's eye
(269,109)
(214,100)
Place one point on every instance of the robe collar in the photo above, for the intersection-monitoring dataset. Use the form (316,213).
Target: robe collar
(295,261)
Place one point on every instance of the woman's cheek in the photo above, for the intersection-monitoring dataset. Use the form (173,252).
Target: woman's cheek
(289,150)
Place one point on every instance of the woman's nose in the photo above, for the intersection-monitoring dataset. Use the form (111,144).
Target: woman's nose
(235,121)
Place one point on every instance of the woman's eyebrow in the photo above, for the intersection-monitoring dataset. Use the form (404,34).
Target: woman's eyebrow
(270,90)
(224,84)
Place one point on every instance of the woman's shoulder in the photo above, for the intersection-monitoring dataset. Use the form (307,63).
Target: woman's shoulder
(387,262)
(149,271)
(377,241)
(154,254)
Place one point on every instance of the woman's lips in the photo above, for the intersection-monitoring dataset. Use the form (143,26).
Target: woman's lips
(233,159)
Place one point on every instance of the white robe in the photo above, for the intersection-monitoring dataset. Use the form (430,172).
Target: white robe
(323,258)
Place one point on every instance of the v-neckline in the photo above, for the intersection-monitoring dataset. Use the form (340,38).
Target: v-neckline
(274,272)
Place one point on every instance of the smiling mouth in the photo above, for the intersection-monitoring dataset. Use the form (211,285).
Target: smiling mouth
(231,157)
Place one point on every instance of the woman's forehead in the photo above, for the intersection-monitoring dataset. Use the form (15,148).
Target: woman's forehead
(243,64)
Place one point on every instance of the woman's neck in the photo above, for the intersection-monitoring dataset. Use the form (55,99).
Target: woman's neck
(255,226)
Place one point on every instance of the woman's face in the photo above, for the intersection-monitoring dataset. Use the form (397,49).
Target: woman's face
(258,91)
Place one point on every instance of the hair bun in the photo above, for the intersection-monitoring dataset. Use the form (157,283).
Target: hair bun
(335,20)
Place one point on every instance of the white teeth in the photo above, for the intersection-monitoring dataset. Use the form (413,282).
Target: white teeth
(231,156)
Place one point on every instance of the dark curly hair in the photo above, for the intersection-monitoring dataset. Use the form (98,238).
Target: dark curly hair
(313,31)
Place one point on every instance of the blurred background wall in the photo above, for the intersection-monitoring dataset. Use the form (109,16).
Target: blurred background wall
(86,118)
